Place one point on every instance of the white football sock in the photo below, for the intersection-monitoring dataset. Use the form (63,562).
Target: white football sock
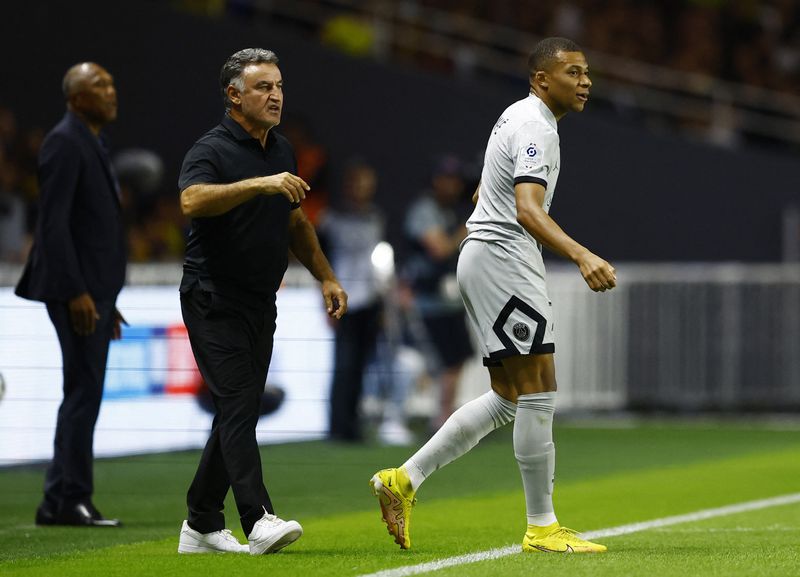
(536,454)
(462,431)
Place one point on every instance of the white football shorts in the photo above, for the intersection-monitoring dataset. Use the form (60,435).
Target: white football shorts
(506,301)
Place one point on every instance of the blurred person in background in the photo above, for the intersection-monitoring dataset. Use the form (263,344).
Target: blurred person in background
(13,229)
(239,186)
(350,233)
(434,227)
(501,277)
(77,268)
(19,152)
(26,160)
(156,228)
(159,235)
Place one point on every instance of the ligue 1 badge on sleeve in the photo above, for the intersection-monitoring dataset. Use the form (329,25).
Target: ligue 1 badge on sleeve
(529,155)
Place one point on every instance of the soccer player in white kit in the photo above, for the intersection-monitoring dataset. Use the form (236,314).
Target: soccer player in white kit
(502,280)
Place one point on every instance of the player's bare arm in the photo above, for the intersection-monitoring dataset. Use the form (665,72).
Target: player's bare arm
(598,274)
(304,244)
(476,194)
(201,200)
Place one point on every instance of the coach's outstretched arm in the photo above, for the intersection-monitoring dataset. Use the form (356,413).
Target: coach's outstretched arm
(304,244)
(598,274)
(215,199)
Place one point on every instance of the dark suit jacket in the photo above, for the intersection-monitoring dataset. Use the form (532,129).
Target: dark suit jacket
(79,244)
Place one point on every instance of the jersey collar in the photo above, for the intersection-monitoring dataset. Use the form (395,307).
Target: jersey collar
(546,112)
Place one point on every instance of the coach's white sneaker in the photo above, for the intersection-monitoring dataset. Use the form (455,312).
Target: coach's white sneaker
(217,542)
(270,534)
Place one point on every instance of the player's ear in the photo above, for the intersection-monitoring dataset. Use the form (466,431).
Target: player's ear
(540,78)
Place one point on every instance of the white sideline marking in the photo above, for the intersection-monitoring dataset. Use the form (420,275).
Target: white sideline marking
(598,534)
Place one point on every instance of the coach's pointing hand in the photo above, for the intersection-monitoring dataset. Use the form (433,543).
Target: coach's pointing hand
(289,185)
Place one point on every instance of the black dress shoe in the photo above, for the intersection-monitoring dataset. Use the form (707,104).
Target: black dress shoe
(45,515)
(83,515)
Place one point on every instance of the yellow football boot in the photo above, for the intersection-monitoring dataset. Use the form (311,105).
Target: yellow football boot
(557,539)
(393,489)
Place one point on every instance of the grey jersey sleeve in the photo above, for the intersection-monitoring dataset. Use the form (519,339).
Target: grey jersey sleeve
(533,148)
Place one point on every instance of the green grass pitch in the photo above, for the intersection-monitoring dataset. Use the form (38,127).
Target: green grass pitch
(605,477)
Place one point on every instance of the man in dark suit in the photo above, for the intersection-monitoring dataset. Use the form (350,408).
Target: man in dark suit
(77,268)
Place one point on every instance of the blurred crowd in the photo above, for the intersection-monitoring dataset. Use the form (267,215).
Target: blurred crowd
(18,187)
(156,227)
(754,42)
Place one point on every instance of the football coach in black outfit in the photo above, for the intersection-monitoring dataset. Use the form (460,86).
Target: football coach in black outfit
(77,268)
(238,184)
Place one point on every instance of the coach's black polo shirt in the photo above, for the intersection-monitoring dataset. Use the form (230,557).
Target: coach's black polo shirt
(242,253)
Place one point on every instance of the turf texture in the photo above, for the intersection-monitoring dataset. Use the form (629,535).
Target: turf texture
(606,476)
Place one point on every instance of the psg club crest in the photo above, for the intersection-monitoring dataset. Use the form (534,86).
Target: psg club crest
(521,331)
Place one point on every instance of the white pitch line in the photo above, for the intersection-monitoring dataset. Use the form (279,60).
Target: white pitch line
(598,534)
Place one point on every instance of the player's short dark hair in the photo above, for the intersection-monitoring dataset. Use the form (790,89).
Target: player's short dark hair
(231,72)
(545,52)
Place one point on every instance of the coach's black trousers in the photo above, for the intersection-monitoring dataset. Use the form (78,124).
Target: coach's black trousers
(232,344)
(69,477)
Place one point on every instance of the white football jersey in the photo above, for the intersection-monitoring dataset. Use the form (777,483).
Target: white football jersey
(523,147)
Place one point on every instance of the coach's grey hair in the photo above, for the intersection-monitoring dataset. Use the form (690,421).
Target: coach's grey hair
(546,50)
(231,73)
